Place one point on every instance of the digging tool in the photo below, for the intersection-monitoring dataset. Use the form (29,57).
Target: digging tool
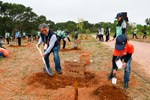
(46,68)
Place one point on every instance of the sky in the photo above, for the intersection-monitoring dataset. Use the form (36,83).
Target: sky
(93,11)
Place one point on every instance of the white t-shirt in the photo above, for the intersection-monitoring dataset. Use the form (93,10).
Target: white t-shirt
(135,31)
(124,25)
(101,32)
(7,35)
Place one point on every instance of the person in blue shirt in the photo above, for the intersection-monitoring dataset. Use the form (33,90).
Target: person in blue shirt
(18,36)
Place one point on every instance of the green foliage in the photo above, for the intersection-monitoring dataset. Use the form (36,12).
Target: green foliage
(80,25)
(17,16)
(87,31)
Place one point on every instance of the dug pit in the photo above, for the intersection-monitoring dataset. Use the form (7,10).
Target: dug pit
(41,79)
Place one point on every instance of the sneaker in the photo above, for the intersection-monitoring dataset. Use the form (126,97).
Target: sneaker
(49,71)
(126,85)
(59,72)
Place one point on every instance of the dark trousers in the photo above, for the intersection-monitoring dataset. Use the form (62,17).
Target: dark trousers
(127,71)
(7,39)
(134,35)
(64,44)
(144,36)
(101,38)
(107,38)
(19,41)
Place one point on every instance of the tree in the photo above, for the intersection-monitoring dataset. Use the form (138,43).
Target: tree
(71,26)
(51,24)
(80,25)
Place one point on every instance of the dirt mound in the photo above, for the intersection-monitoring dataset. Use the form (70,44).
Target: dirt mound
(72,49)
(60,81)
(107,92)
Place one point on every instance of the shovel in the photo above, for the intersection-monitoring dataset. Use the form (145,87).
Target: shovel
(44,61)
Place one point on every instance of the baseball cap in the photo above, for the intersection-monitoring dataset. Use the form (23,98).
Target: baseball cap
(121,41)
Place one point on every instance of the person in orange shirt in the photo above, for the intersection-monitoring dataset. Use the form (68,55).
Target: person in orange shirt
(123,51)
(3,52)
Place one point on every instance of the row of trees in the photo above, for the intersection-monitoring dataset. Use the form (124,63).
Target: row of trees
(18,17)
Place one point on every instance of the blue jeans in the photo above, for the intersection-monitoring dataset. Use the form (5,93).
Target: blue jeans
(2,54)
(127,71)
(55,51)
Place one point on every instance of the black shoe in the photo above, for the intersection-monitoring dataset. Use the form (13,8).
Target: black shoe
(110,76)
(126,85)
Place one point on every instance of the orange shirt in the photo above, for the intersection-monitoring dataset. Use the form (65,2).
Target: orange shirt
(128,49)
(4,51)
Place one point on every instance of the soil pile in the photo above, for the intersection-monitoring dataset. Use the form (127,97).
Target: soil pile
(60,81)
(107,92)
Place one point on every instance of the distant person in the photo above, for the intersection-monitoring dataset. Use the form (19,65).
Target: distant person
(100,34)
(107,33)
(24,35)
(13,36)
(3,52)
(18,36)
(123,51)
(121,26)
(76,35)
(7,37)
(34,36)
(144,34)
(51,45)
(64,35)
(135,33)
(29,37)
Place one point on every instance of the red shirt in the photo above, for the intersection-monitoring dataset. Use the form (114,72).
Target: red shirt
(4,51)
(128,49)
